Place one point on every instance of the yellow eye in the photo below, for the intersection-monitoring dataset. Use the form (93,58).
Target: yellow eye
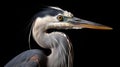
(60,17)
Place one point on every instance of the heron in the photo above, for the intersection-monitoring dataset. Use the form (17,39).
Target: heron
(61,48)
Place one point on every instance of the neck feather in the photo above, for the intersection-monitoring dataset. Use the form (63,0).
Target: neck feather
(61,55)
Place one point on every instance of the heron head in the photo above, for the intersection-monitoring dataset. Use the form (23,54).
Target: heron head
(56,18)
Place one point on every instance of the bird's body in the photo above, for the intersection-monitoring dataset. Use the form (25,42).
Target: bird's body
(61,48)
(30,58)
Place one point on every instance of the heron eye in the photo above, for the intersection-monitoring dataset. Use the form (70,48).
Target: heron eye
(60,18)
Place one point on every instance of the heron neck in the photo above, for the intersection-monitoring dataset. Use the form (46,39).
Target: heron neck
(39,34)
(61,49)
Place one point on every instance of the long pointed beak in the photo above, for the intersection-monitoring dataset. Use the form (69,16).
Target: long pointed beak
(80,23)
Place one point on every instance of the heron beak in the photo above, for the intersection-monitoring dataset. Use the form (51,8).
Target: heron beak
(80,23)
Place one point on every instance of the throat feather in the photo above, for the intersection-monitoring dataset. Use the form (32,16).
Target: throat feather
(61,55)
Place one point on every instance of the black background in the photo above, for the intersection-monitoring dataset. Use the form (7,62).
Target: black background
(91,47)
